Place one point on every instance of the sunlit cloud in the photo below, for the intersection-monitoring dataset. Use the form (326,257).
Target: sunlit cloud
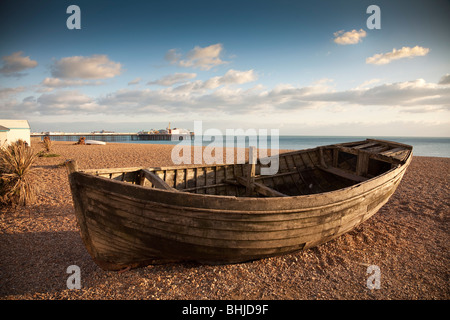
(134,81)
(5,93)
(63,83)
(349,37)
(16,62)
(93,67)
(203,58)
(405,52)
(445,79)
(172,79)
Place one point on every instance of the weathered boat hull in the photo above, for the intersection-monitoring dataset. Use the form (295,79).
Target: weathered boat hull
(128,225)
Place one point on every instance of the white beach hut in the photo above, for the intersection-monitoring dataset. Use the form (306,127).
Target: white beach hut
(13,130)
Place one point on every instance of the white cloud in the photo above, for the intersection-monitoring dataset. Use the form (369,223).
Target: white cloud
(58,83)
(238,77)
(405,52)
(93,67)
(49,104)
(229,78)
(445,79)
(368,83)
(66,102)
(225,94)
(5,93)
(203,58)
(15,63)
(417,93)
(172,79)
(349,37)
(411,96)
(134,81)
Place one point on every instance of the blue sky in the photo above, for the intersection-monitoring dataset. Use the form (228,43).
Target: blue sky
(303,67)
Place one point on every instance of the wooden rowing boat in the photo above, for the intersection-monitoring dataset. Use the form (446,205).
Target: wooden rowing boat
(229,213)
(96,142)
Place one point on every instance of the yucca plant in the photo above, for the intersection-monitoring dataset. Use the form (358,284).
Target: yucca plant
(16,174)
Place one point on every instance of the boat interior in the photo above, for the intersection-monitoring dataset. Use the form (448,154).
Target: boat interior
(303,172)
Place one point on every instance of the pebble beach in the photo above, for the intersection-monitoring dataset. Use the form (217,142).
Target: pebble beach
(408,239)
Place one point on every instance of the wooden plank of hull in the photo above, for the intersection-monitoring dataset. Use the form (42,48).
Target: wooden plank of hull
(208,228)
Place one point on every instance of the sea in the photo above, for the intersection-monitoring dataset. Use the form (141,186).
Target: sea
(422,146)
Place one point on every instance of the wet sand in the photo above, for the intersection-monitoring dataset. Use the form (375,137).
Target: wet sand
(408,239)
